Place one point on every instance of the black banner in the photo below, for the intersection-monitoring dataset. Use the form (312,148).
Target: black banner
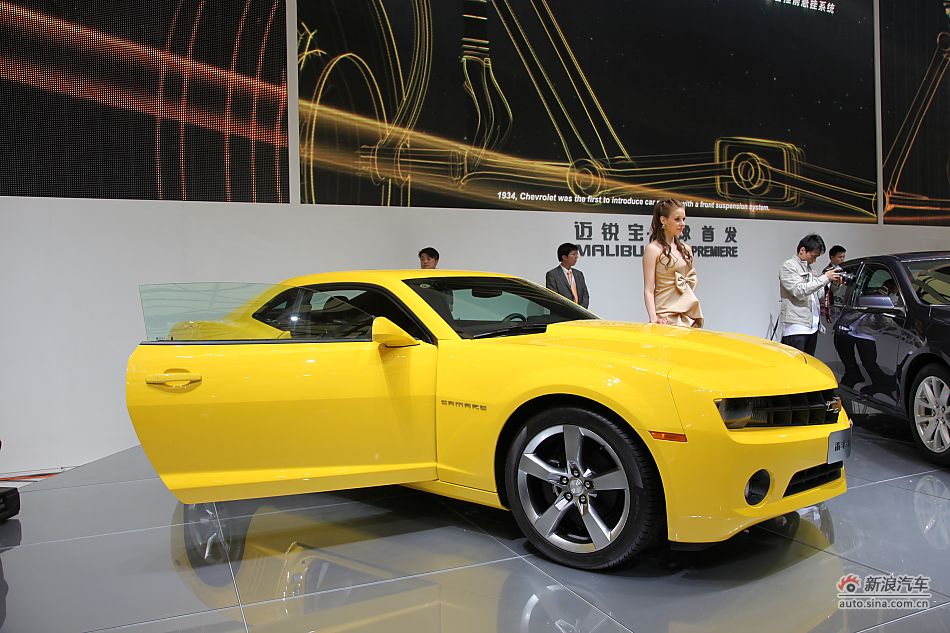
(745,108)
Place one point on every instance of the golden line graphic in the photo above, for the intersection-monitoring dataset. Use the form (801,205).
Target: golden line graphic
(358,118)
(896,200)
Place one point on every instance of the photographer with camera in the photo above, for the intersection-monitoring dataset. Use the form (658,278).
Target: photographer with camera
(799,287)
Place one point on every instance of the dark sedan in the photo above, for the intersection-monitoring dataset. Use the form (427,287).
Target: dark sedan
(887,338)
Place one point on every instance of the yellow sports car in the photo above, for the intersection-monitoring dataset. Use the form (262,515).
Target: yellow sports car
(600,436)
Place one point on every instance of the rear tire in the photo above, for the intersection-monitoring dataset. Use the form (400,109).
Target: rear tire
(929,413)
(584,491)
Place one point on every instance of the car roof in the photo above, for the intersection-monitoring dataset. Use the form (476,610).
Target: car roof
(383,276)
(902,257)
(922,255)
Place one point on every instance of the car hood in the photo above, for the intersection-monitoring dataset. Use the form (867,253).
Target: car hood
(723,361)
(681,346)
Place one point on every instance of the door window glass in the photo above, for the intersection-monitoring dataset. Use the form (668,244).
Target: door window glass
(930,280)
(260,312)
(877,280)
(337,313)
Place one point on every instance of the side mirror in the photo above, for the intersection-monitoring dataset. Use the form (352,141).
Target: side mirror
(388,334)
(877,302)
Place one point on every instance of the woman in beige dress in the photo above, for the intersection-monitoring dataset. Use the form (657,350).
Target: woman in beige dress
(669,278)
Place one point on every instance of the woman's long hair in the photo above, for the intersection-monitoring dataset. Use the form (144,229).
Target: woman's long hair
(664,208)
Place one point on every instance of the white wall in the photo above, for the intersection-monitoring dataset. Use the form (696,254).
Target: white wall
(70,271)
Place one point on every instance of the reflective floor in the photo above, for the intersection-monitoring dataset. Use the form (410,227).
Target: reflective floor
(106,547)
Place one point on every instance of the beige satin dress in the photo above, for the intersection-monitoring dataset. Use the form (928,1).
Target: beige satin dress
(673,292)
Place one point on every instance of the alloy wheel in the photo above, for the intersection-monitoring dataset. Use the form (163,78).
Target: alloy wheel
(573,488)
(932,414)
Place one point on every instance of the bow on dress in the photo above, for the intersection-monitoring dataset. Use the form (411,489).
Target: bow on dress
(685,281)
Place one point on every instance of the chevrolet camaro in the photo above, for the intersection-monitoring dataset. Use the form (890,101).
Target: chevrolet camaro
(601,437)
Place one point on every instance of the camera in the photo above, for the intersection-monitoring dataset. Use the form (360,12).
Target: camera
(846,277)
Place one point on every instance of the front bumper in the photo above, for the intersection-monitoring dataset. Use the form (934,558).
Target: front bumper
(705,478)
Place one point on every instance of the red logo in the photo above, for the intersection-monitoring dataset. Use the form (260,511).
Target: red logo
(849,583)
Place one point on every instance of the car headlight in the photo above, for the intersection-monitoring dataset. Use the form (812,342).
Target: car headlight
(735,412)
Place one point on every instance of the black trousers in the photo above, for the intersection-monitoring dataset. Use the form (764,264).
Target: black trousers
(803,342)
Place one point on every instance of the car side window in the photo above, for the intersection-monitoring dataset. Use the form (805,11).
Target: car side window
(877,279)
(930,280)
(346,313)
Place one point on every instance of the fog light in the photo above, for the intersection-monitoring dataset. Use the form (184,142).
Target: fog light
(757,487)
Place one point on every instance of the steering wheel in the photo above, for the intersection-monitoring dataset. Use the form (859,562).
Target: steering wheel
(515,316)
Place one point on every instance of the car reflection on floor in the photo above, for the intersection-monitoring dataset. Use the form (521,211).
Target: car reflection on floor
(12,536)
(307,568)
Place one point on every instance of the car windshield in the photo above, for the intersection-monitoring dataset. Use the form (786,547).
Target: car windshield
(930,280)
(481,307)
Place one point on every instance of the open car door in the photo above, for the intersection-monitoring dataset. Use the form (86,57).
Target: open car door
(249,390)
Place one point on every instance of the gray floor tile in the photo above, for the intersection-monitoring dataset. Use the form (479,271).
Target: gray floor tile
(497,597)
(935,620)
(499,524)
(888,529)
(885,428)
(876,459)
(107,581)
(854,481)
(935,483)
(50,515)
(223,621)
(346,545)
(128,465)
(754,582)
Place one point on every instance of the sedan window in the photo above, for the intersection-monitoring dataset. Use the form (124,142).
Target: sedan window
(479,307)
(930,280)
(877,280)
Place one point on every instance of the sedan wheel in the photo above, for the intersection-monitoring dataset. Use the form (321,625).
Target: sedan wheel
(930,413)
(584,491)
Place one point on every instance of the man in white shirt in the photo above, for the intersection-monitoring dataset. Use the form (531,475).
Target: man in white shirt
(799,288)
(566,280)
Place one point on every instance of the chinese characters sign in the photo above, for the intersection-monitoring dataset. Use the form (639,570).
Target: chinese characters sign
(628,239)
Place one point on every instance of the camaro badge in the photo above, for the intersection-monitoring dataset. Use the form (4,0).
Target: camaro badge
(464,405)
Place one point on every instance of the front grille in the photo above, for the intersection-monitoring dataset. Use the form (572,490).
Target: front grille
(795,409)
(812,478)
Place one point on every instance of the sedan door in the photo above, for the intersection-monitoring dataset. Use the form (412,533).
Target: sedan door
(834,300)
(318,406)
(868,333)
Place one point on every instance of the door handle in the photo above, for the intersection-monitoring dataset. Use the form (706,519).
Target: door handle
(174,377)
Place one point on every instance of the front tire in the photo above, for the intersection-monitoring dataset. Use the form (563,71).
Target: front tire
(585,492)
(929,412)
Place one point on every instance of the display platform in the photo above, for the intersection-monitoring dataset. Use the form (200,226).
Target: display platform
(105,546)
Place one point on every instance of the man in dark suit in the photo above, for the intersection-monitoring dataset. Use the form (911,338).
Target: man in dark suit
(566,280)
